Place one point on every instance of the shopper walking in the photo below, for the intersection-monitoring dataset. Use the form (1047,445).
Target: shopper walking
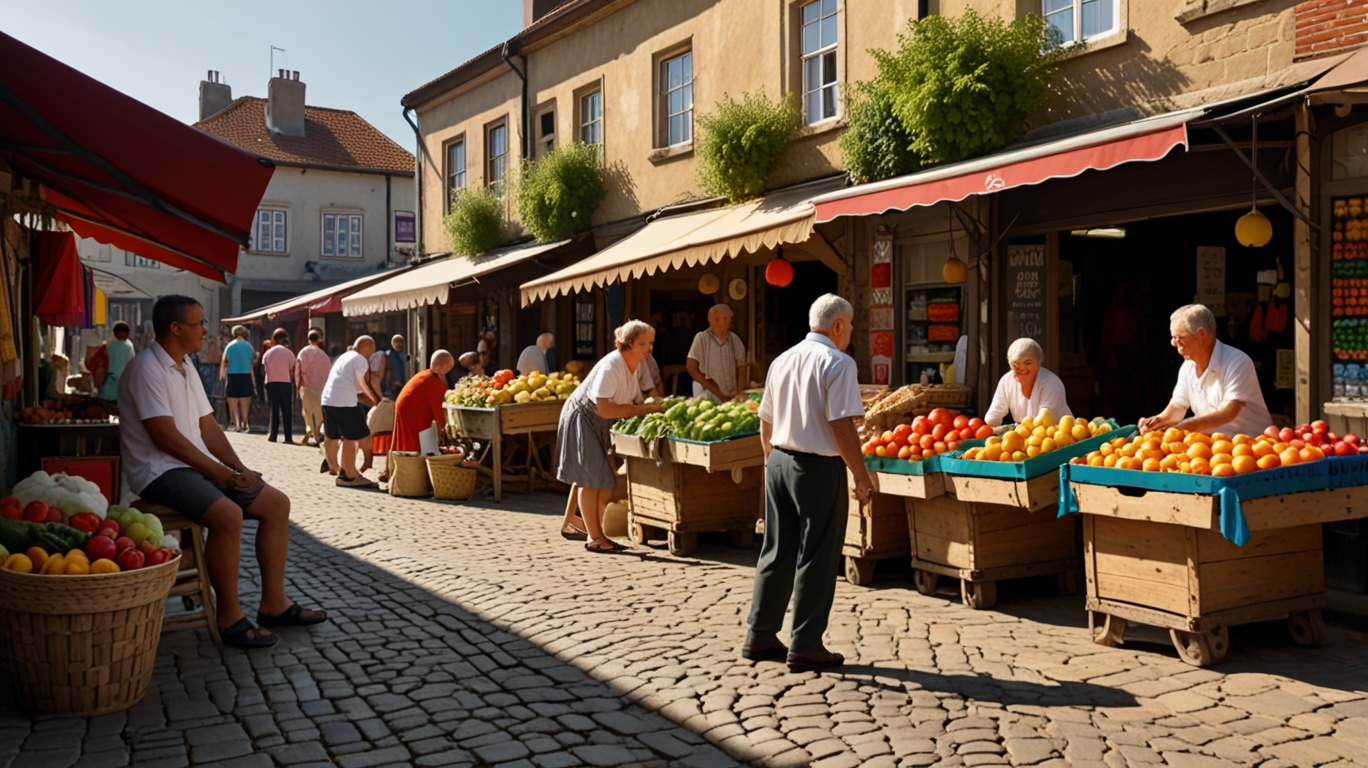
(397,359)
(236,372)
(312,373)
(279,366)
(346,398)
(118,351)
(807,430)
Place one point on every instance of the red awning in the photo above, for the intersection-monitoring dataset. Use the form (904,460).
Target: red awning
(122,173)
(1149,139)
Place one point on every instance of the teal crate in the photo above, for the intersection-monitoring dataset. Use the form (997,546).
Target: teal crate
(951,464)
(1348,471)
(902,466)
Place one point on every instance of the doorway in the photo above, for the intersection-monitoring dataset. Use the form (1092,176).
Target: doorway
(786,309)
(678,316)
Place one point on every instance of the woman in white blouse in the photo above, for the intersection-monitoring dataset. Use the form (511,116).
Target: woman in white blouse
(1027,388)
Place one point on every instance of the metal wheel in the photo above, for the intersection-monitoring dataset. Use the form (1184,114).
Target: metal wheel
(1307,627)
(979,595)
(636,532)
(859,571)
(1201,649)
(744,539)
(1107,629)
(1068,582)
(682,544)
(926,581)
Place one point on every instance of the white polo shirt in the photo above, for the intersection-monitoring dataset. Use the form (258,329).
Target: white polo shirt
(1229,376)
(151,387)
(532,360)
(1048,392)
(345,380)
(809,386)
(611,380)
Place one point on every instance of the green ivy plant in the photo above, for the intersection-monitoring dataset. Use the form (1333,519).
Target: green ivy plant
(558,194)
(741,142)
(875,144)
(475,223)
(957,88)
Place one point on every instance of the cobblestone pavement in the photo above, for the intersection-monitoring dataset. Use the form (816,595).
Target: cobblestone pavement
(473,634)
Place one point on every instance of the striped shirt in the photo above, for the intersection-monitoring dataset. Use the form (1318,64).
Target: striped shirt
(717,360)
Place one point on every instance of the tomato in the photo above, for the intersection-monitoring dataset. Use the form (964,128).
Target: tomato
(159,556)
(926,442)
(940,447)
(983,432)
(886,437)
(966,434)
(1320,426)
(975,423)
(939,431)
(1273,432)
(11,509)
(952,445)
(881,452)
(1350,438)
(1286,435)
(867,449)
(920,425)
(905,452)
(902,430)
(100,547)
(940,416)
(36,512)
(961,421)
(898,441)
(1297,443)
(915,450)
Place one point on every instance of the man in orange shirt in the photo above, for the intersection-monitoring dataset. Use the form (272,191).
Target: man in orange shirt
(420,402)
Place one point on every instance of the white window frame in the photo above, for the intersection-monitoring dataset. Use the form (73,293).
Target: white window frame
(132,259)
(456,179)
(332,244)
(1076,8)
(499,161)
(277,243)
(685,89)
(819,55)
(546,142)
(591,125)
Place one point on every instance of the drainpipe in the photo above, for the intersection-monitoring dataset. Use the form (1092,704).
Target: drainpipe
(526,154)
(389,222)
(418,185)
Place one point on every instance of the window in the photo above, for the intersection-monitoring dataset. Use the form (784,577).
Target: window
(132,259)
(676,99)
(342,235)
(496,149)
(584,326)
(270,231)
(546,133)
(456,168)
(591,118)
(1080,19)
(819,60)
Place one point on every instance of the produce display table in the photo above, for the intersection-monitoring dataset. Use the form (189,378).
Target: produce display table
(492,425)
(1159,550)
(678,489)
(878,530)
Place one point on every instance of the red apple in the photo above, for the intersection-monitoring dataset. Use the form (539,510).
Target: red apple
(85,522)
(112,526)
(1320,426)
(1350,438)
(146,547)
(1286,435)
(1345,449)
(54,515)
(36,512)
(131,559)
(158,556)
(100,547)
(122,543)
(11,509)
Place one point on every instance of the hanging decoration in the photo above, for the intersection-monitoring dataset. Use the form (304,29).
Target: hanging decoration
(954,271)
(779,272)
(709,283)
(1254,230)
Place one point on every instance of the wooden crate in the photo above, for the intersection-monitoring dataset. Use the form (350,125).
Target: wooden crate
(534,422)
(681,500)
(878,530)
(530,417)
(1036,493)
(717,457)
(980,544)
(631,445)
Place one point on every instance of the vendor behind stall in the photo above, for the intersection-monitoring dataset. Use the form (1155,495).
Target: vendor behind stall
(420,402)
(1028,387)
(716,357)
(1217,382)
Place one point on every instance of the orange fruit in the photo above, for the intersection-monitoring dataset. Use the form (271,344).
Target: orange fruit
(1168,463)
(1125,463)
(1222,446)
(1311,453)
(1280,447)
(1220,459)
(1196,437)
(1184,467)
(1269,461)
(1200,466)
(1244,464)
(1290,456)
(1106,449)
(1150,465)
(1152,453)
(1199,451)
(1242,449)
(1095,460)
(1111,460)
(1262,449)
(1242,440)
(1223,470)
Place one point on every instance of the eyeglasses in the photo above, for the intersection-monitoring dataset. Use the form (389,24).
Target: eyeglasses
(202,323)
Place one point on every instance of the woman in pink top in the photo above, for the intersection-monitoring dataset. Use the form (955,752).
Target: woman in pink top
(279,366)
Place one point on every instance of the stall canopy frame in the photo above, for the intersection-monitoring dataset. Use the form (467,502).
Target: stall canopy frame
(320,302)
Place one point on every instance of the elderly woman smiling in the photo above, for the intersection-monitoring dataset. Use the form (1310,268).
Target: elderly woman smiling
(1027,388)
(611,391)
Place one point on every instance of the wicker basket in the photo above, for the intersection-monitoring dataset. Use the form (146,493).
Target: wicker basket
(408,474)
(83,645)
(450,480)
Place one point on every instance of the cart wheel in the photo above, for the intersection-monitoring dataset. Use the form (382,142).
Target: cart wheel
(979,595)
(637,533)
(682,544)
(1202,649)
(1107,629)
(859,570)
(926,581)
(1068,582)
(1308,628)
(743,539)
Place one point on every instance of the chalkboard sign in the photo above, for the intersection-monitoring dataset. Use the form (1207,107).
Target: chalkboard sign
(1026,292)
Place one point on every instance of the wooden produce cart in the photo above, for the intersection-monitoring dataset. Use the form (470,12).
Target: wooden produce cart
(679,489)
(1160,550)
(997,521)
(493,426)
(877,530)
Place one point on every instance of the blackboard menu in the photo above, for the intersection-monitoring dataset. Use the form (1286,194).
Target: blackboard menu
(1026,292)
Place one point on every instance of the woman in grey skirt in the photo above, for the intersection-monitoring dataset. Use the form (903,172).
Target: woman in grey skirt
(611,391)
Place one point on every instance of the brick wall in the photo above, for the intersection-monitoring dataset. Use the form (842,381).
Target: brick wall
(1329,26)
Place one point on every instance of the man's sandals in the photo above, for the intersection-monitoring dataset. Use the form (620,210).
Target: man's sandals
(244,635)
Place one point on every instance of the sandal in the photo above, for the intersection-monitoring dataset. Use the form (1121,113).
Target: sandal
(292,617)
(613,549)
(244,635)
(574,534)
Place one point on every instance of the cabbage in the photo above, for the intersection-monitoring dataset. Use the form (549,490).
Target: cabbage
(67,493)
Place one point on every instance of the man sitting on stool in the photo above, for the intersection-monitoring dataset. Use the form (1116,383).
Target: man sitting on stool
(175,454)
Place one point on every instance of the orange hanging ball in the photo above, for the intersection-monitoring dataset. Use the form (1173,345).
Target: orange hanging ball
(779,272)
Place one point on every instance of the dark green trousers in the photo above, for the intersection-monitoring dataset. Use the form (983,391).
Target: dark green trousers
(805,521)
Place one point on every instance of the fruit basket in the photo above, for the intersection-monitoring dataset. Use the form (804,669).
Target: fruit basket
(82,645)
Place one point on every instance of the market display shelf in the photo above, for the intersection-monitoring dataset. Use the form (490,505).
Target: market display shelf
(952,464)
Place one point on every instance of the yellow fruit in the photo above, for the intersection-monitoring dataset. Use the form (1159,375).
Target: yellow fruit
(1100,429)
(1028,424)
(1032,451)
(1066,423)
(1169,463)
(1018,456)
(54,565)
(19,564)
(104,565)
(1150,465)
(1080,432)
(38,556)
(1223,470)
(1045,417)
(1173,435)
(76,568)
(1035,441)
(1112,460)
(1063,440)
(991,452)
(77,554)
(1048,444)
(972,454)
(1097,459)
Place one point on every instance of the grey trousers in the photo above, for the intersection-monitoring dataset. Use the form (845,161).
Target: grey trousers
(805,521)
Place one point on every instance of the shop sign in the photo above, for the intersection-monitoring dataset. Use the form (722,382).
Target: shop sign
(404,229)
(1026,292)
(881,310)
(1211,279)
(1286,375)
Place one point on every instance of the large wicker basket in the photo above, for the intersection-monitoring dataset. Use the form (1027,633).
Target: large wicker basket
(83,645)
(408,474)
(450,480)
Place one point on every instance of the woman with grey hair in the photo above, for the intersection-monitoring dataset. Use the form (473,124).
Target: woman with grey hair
(1027,388)
(609,392)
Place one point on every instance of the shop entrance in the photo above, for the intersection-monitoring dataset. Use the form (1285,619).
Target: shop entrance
(1118,286)
(786,309)
(678,316)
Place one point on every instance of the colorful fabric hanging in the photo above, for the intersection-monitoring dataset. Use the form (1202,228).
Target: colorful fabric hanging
(61,280)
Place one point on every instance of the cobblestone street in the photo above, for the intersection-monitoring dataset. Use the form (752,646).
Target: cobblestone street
(472,634)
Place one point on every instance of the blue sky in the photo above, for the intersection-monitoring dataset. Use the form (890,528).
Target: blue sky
(362,56)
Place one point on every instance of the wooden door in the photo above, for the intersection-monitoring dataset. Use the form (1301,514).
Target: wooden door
(457,333)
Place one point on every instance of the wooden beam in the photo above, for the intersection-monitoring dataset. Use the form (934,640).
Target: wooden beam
(819,247)
(1302,305)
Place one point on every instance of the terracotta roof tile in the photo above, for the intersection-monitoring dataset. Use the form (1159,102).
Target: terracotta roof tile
(334,138)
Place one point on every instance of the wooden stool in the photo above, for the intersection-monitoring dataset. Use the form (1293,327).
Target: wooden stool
(192,580)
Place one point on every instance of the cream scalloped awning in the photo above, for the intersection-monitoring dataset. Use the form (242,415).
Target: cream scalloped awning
(702,237)
(430,283)
(305,301)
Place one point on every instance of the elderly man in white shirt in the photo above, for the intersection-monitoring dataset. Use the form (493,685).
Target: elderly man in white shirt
(1023,391)
(807,428)
(534,359)
(716,357)
(1217,382)
(175,454)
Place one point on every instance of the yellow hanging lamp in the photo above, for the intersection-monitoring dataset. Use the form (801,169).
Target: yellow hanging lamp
(1254,230)
(954,271)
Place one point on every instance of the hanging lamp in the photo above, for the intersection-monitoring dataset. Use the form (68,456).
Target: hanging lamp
(779,272)
(954,271)
(1254,230)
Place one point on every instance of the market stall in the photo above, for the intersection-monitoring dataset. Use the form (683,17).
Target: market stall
(1195,554)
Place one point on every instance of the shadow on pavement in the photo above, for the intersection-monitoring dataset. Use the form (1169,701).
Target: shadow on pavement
(1005,692)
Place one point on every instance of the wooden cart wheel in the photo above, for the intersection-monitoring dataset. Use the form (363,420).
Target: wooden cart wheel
(979,595)
(1107,629)
(1308,628)
(1068,582)
(1202,649)
(744,539)
(636,532)
(859,571)
(926,581)
(682,544)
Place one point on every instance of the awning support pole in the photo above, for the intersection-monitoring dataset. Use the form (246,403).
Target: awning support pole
(1273,190)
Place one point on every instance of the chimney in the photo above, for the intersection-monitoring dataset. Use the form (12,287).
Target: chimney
(533,10)
(285,104)
(214,95)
